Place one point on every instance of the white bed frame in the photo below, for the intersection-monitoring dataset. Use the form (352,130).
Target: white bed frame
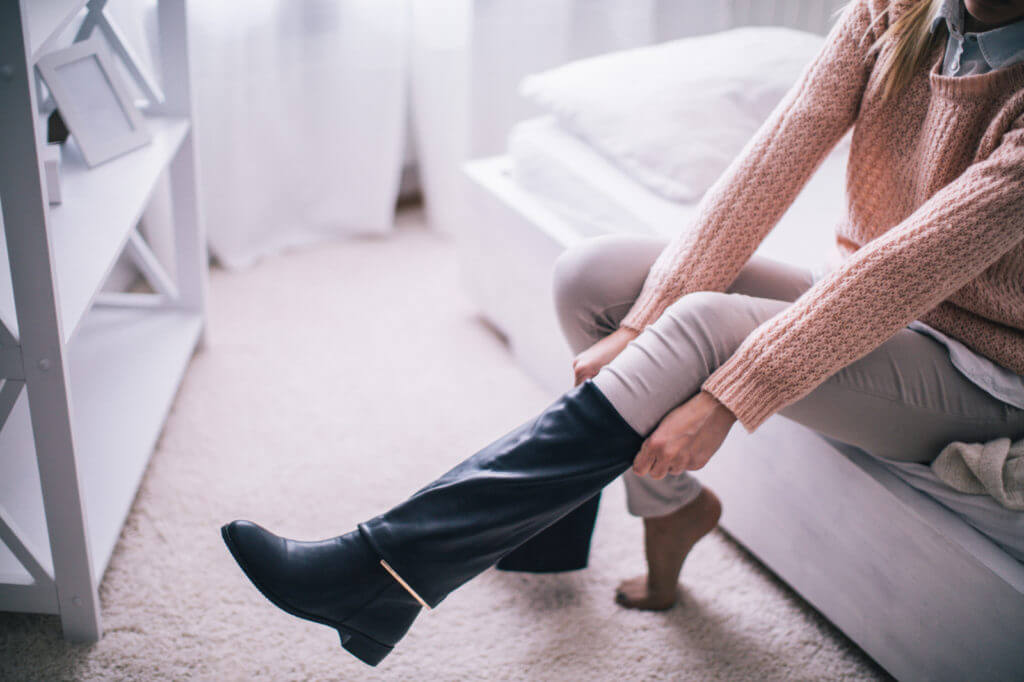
(923,593)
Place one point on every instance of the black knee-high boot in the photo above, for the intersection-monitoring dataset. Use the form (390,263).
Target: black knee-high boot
(446,533)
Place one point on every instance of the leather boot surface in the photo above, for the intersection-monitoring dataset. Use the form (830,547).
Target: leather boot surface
(508,492)
(337,582)
(447,532)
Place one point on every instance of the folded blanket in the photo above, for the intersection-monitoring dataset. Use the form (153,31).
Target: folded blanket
(995,468)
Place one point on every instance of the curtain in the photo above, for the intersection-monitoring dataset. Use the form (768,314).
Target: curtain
(303,106)
(301,109)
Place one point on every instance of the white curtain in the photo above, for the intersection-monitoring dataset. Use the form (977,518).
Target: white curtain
(303,105)
(301,108)
(439,103)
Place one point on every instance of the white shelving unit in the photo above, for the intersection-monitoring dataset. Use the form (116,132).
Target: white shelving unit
(87,378)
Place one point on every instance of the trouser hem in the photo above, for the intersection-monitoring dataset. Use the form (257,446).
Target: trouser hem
(641,504)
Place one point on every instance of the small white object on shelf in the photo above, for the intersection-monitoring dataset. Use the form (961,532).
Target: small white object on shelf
(51,166)
(93,100)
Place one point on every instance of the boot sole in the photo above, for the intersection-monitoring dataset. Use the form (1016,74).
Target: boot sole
(363,647)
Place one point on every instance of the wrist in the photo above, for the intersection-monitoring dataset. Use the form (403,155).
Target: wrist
(723,412)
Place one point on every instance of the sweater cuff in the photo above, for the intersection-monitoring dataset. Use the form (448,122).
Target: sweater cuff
(645,310)
(748,393)
(633,327)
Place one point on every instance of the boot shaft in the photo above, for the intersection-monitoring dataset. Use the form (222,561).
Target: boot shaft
(509,491)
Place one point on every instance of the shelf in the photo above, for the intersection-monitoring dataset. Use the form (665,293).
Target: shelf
(20,493)
(100,411)
(7,316)
(47,17)
(100,207)
(125,369)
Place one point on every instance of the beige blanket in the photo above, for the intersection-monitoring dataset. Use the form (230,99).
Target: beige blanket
(995,468)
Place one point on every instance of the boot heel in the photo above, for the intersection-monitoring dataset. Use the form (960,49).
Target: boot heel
(362,647)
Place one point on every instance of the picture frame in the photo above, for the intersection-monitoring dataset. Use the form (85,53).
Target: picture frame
(93,100)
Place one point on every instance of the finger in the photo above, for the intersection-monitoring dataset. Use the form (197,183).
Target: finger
(679,462)
(642,464)
(583,373)
(678,467)
(643,461)
(659,469)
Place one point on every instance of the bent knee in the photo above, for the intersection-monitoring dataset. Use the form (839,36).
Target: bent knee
(706,306)
(718,321)
(603,271)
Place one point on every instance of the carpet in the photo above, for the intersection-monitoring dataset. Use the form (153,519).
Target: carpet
(336,381)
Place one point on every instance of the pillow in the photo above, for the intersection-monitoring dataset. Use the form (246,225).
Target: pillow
(674,115)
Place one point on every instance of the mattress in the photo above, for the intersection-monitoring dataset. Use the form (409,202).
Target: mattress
(595,197)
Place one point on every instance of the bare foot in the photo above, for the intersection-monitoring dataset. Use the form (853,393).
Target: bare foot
(667,541)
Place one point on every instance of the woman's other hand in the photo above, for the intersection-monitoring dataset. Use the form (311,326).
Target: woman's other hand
(686,438)
(588,363)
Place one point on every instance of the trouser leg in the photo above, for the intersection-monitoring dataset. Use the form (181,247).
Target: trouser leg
(505,494)
(903,401)
(596,283)
(589,308)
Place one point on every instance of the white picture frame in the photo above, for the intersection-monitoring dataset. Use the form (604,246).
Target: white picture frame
(93,100)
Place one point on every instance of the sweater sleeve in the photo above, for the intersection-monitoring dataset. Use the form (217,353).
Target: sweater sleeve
(948,241)
(749,198)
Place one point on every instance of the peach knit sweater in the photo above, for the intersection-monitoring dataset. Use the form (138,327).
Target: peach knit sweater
(933,228)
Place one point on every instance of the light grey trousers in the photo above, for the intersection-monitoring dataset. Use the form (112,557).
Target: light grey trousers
(903,401)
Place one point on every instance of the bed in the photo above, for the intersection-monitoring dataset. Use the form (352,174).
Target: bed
(929,582)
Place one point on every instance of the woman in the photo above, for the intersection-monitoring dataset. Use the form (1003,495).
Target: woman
(933,236)
(592,305)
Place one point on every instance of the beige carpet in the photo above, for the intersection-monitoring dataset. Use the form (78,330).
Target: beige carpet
(337,380)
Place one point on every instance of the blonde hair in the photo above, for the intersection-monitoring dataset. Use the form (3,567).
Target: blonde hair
(910,42)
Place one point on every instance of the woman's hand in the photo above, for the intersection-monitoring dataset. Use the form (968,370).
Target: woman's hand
(588,363)
(686,437)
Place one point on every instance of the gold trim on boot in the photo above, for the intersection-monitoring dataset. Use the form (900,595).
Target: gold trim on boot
(404,584)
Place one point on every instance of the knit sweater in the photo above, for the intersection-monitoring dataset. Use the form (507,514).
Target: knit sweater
(933,228)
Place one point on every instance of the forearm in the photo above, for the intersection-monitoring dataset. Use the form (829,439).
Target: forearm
(941,247)
(761,183)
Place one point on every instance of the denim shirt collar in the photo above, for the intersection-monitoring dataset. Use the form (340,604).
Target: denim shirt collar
(999,46)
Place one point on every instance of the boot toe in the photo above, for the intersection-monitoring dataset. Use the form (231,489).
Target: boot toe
(327,582)
(261,556)
(251,544)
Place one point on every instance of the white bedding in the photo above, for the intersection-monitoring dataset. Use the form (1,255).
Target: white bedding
(673,115)
(595,197)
